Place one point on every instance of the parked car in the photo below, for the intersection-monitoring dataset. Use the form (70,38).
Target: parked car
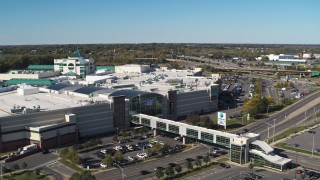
(295,145)
(142,155)
(299,171)
(158,168)
(103,165)
(172,164)
(223,165)
(45,151)
(144,172)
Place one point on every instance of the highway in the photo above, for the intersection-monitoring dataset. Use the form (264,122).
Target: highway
(282,119)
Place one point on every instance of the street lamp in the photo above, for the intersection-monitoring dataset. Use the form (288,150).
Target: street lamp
(268,131)
(122,172)
(274,128)
(313,133)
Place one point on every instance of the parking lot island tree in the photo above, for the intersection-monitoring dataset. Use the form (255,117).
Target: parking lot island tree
(206,159)
(108,160)
(118,156)
(198,162)
(169,171)
(189,165)
(178,168)
(159,173)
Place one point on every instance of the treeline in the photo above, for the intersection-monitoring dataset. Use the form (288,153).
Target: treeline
(22,61)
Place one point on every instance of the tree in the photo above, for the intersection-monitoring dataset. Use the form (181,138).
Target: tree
(150,152)
(84,175)
(265,58)
(157,147)
(108,160)
(169,171)
(206,159)
(24,165)
(189,165)
(250,165)
(15,166)
(159,173)
(115,138)
(178,168)
(198,162)
(165,148)
(118,156)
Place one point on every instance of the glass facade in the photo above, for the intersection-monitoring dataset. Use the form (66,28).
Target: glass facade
(135,120)
(145,122)
(253,146)
(150,104)
(207,137)
(174,129)
(224,141)
(238,154)
(161,126)
(258,160)
(192,133)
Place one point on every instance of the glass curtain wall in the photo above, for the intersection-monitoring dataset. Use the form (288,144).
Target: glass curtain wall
(149,104)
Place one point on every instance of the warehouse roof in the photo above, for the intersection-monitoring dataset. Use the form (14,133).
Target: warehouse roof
(128,93)
(41,67)
(37,82)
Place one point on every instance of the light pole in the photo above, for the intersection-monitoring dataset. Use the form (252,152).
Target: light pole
(122,172)
(274,128)
(268,131)
(313,133)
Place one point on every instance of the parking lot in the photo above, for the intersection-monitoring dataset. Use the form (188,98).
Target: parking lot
(130,150)
(305,140)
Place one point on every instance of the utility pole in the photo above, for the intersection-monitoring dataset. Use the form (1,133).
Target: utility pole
(122,173)
(274,128)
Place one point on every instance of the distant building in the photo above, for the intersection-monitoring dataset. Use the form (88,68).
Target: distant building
(75,64)
(132,68)
(274,57)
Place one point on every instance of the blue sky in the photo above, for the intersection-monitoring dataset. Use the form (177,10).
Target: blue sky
(160,21)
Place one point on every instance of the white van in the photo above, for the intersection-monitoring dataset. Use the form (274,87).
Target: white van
(29,148)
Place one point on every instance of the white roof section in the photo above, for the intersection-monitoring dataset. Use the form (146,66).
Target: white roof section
(157,81)
(272,157)
(263,145)
(46,101)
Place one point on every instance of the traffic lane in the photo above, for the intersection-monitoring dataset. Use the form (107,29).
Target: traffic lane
(34,161)
(259,125)
(305,140)
(284,125)
(133,171)
(303,160)
(282,116)
(54,174)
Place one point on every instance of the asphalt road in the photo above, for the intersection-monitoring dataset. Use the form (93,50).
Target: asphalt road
(34,161)
(261,126)
(132,172)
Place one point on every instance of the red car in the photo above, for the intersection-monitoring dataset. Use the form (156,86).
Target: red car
(299,171)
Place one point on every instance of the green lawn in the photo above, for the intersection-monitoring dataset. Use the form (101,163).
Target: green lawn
(29,175)
(289,131)
(70,165)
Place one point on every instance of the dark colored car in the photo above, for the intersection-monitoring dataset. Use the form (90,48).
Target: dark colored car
(223,165)
(245,130)
(144,172)
(200,157)
(172,164)
(158,168)
(45,151)
(189,159)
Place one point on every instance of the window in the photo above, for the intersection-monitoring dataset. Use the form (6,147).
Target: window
(173,128)
(145,122)
(161,126)
(192,133)
(207,137)
(225,141)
